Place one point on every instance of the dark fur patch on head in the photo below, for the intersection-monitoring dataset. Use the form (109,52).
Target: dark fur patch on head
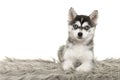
(82,19)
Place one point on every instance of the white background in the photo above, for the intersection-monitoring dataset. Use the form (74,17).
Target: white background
(36,28)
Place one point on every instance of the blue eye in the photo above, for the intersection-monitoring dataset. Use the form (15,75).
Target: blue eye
(75,26)
(86,27)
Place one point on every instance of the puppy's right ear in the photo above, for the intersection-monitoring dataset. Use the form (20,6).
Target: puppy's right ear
(94,16)
(71,15)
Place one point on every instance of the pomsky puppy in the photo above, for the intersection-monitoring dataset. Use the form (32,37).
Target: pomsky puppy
(77,54)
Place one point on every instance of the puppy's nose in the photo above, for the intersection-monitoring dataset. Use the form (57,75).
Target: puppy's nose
(80,34)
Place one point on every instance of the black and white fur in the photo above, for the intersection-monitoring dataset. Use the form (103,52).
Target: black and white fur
(79,46)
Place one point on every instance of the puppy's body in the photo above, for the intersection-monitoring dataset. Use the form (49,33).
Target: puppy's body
(77,54)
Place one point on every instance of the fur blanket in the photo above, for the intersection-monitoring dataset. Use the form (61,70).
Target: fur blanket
(14,69)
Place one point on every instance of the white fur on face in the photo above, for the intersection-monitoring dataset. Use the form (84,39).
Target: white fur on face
(85,24)
(73,33)
(78,23)
(86,34)
(89,33)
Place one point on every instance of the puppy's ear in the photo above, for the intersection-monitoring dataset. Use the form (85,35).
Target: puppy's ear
(94,16)
(72,14)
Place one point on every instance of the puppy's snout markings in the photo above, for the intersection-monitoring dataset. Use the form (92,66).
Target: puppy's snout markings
(80,34)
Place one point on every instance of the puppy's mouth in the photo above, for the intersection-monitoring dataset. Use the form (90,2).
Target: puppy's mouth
(79,37)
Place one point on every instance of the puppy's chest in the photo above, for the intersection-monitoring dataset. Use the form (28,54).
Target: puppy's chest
(77,52)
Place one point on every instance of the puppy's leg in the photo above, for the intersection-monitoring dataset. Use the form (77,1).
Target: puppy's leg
(85,67)
(61,53)
(68,65)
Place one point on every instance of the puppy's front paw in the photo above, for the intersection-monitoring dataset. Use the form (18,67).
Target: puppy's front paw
(80,69)
(68,68)
(84,68)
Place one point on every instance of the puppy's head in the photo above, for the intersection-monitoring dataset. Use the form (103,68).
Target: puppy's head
(82,27)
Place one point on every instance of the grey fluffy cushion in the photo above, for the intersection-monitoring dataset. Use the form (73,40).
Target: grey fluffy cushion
(14,69)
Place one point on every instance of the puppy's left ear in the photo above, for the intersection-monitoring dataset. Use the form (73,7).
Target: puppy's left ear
(72,14)
(94,16)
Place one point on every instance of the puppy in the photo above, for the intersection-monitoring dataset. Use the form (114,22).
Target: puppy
(77,54)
